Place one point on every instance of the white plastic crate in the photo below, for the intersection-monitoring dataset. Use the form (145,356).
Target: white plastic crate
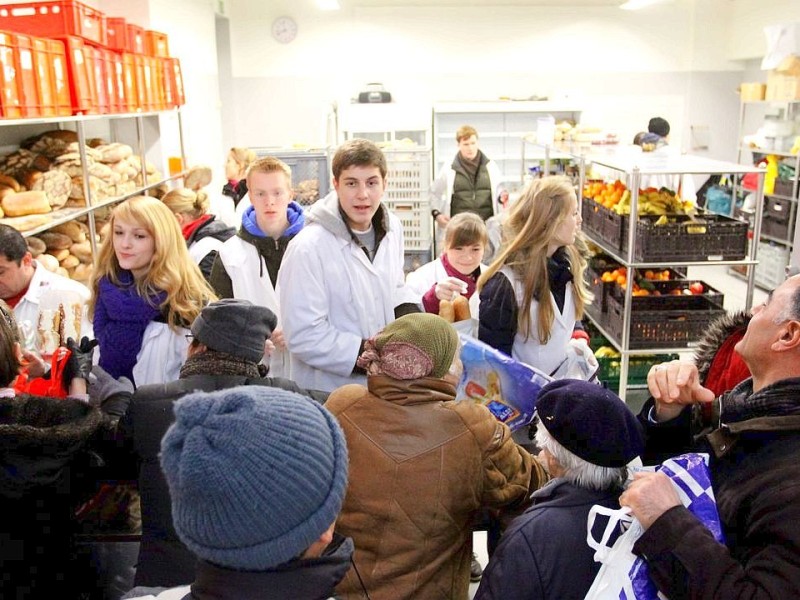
(409,174)
(415,215)
(311,177)
(771,267)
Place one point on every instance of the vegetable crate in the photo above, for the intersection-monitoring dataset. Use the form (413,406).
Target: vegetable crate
(638,367)
(55,19)
(771,267)
(407,183)
(310,172)
(665,321)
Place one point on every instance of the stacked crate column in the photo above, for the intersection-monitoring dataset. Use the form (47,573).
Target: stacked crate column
(408,180)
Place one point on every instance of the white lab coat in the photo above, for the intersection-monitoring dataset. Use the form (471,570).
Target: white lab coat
(243,264)
(333,297)
(26,312)
(162,354)
(421,280)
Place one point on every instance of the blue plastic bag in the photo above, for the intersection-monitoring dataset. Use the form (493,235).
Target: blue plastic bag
(508,388)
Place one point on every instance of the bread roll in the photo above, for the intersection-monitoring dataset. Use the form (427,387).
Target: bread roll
(82,273)
(446,310)
(83,251)
(70,261)
(197,178)
(36,246)
(60,254)
(25,203)
(55,240)
(72,229)
(48,261)
(10,182)
(62,271)
(461,308)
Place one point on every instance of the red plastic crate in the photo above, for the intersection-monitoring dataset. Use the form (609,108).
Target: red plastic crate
(102,79)
(29,101)
(80,69)
(58,62)
(44,77)
(135,38)
(156,43)
(9,100)
(119,101)
(133,77)
(117,34)
(55,19)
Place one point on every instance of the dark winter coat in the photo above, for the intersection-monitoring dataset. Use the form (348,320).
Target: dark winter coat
(163,559)
(302,579)
(235,190)
(472,192)
(215,229)
(755,472)
(43,441)
(543,554)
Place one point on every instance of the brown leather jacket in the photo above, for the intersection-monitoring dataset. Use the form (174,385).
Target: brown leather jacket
(421,467)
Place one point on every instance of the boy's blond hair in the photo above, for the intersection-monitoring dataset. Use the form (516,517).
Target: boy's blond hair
(270,164)
(465,132)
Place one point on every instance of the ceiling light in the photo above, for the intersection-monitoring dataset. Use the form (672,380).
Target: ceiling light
(328,4)
(637,4)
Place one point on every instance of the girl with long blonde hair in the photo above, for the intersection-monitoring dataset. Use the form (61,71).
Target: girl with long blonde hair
(533,295)
(146,292)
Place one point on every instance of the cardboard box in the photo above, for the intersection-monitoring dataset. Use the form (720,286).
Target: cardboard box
(752,92)
(782,87)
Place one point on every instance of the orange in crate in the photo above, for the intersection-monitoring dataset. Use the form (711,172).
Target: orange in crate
(9,100)
(80,70)
(55,19)
(156,43)
(29,101)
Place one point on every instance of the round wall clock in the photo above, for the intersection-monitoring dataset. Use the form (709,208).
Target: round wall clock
(284,29)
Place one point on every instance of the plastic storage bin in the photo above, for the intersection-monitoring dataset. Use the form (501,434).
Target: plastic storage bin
(44,77)
(55,19)
(771,267)
(156,43)
(174,80)
(29,101)
(117,34)
(59,71)
(407,183)
(135,38)
(9,104)
(80,70)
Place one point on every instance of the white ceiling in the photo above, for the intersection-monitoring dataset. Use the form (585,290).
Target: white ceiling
(457,3)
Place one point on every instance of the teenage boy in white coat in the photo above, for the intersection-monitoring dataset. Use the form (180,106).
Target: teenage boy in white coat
(342,278)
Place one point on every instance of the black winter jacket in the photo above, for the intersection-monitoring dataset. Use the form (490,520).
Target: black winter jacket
(212,228)
(755,473)
(163,559)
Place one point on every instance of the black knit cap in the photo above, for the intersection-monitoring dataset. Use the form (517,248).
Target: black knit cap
(236,327)
(590,421)
(659,126)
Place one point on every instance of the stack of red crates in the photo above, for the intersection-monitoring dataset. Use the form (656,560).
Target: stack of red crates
(63,57)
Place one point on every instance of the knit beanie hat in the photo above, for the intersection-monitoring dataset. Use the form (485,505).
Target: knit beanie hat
(256,474)
(236,327)
(415,345)
(590,421)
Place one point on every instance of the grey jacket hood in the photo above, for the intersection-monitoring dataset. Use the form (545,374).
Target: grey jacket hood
(326,212)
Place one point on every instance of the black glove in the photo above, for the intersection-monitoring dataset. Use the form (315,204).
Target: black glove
(80,361)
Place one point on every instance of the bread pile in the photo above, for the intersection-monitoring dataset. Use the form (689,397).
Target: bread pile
(57,325)
(64,249)
(50,163)
(456,310)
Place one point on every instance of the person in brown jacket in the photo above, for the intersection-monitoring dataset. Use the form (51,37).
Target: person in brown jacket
(421,466)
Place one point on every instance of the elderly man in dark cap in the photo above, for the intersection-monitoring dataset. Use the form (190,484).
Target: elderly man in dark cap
(587,437)
(228,339)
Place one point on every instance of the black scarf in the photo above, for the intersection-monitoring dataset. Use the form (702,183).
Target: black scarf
(779,399)
(559,275)
(212,362)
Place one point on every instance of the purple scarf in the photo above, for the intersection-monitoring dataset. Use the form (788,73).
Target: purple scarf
(120,318)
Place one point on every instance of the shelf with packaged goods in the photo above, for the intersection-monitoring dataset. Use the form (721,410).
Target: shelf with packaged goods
(501,125)
(141,131)
(630,166)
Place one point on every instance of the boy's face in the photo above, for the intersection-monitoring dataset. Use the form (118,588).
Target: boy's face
(270,195)
(360,189)
(468,147)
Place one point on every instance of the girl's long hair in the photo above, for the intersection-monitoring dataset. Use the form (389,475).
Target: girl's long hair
(527,232)
(172,270)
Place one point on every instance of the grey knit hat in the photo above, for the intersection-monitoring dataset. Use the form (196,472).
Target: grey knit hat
(235,326)
(256,474)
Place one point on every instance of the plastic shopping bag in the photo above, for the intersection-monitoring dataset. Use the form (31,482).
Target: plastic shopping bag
(623,575)
(508,388)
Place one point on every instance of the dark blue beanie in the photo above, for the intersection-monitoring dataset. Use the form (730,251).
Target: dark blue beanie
(256,474)
(590,421)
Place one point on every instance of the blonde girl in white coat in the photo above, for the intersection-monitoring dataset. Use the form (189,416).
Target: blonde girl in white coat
(533,294)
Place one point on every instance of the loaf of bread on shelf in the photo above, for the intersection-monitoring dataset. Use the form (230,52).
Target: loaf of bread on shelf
(27,222)
(72,229)
(82,250)
(10,182)
(50,143)
(25,203)
(70,261)
(5,191)
(28,177)
(48,261)
(55,240)
(197,178)
(82,273)
(56,184)
(59,254)
(113,153)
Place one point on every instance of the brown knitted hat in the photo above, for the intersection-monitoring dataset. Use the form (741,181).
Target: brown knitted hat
(413,346)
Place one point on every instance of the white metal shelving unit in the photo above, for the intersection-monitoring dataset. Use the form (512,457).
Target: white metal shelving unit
(130,128)
(631,167)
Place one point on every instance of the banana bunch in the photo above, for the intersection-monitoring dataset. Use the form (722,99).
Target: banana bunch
(653,202)
(606,352)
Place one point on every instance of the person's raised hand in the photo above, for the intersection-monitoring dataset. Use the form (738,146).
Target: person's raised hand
(449,287)
(81,360)
(674,385)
